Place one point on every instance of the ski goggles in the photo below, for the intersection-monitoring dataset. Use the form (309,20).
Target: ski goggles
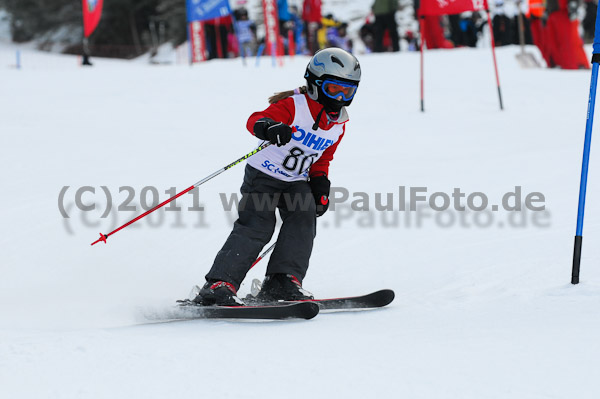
(334,89)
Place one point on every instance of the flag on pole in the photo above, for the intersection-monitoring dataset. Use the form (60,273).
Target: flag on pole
(432,8)
(197,41)
(449,7)
(92,11)
(271,26)
(203,10)
(199,11)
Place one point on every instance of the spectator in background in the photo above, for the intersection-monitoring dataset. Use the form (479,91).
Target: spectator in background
(246,32)
(465,28)
(337,37)
(433,33)
(456,35)
(589,21)
(284,16)
(565,47)
(411,39)
(385,20)
(298,27)
(326,22)
(502,26)
(367,34)
(468,30)
(311,15)
(537,9)
(526,27)
(506,24)
(472,25)
(216,36)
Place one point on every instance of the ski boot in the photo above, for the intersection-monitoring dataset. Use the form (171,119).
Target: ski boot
(219,293)
(282,287)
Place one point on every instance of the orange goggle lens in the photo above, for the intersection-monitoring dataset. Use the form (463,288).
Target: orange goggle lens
(336,89)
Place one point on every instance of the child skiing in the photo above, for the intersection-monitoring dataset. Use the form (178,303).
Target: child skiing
(291,175)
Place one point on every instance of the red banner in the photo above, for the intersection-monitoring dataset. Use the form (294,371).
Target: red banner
(449,7)
(271,25)
(92,11)
(197,41)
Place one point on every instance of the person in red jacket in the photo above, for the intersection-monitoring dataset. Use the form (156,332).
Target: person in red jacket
(433,33)
(564,45)
(305,126)
(311,15)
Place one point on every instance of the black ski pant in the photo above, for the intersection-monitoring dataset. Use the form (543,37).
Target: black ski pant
(382,23)
(261,196)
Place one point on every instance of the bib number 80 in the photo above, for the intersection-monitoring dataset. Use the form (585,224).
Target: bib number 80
(297,161)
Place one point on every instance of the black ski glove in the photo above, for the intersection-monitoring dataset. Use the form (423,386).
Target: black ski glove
(276,132)
(320,186)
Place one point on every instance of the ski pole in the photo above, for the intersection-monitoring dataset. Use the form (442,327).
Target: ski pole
(103,237)
(263,254)
(586,154)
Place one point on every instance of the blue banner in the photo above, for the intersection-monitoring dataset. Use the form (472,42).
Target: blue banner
(202,10)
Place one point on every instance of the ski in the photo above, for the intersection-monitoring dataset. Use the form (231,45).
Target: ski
(373,300)
(296,310)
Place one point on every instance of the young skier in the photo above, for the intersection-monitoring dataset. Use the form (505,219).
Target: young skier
(290,175)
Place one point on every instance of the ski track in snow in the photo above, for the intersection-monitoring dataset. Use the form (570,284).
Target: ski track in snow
(479,312)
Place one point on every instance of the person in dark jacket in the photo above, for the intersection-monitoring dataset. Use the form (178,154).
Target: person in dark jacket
(385,20)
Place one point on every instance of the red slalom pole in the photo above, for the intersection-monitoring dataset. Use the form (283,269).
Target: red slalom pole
(291,44)
(103,237)
(196,288)
(263,254)
(422,31)
(494,56)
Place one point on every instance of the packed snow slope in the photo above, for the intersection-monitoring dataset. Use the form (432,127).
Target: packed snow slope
(484,308)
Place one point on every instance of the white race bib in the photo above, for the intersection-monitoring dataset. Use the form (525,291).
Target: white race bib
(292,161)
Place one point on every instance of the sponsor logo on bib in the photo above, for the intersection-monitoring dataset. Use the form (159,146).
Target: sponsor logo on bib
(311,140)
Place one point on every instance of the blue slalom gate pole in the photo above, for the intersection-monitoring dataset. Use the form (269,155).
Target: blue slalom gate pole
(586,153)
(274,54)
(259,53)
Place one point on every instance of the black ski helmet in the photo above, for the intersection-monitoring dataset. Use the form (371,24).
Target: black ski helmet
(335,64)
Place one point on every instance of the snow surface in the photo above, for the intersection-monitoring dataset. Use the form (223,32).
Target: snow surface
(479,312)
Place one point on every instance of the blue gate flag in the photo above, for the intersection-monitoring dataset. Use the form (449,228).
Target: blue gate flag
(203,10)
